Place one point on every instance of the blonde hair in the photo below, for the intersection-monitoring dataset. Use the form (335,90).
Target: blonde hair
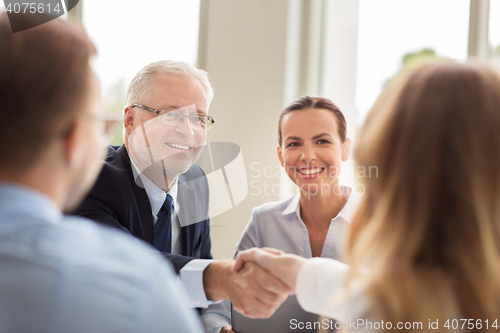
(428,227)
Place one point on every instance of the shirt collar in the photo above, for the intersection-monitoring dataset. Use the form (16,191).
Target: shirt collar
(155,194)
(350,207)
(293,206)
(346,213)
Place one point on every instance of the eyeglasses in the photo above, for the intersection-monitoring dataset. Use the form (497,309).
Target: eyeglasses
(175,118)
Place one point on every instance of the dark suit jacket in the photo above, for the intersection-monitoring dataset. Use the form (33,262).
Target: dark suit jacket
(116,200)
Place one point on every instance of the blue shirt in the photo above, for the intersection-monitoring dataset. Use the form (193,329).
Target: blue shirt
(279,225)
(64,274)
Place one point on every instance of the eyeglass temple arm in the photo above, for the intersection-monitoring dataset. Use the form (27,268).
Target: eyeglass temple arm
(158,111)
(147,108)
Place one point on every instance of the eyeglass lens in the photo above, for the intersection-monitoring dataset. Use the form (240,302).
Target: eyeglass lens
(174,118)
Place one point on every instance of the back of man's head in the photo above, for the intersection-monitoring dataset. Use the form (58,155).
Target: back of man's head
(45,81)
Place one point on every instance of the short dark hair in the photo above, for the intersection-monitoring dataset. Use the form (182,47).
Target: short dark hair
(44,85)
(308,102)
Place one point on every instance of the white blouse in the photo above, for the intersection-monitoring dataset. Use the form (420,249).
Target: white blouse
(319,288)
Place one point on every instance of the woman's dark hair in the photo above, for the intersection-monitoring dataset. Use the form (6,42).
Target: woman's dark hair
(308,102)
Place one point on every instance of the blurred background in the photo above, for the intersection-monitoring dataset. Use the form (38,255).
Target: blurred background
(263,54)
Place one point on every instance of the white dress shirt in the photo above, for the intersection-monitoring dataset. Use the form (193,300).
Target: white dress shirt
(320,290)
(191,274)
(279,225)
(66,274)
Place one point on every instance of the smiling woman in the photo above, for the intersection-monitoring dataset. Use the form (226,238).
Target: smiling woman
(424,246)
(312,144)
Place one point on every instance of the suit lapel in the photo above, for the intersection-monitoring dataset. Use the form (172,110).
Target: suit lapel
(141,197)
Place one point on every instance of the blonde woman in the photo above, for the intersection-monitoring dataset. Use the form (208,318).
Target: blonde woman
(424,246)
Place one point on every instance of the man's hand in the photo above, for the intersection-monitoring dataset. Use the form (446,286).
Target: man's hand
(283,266)
(254,292)
(227,329)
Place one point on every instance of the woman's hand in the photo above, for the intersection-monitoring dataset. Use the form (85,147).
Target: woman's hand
(284,266)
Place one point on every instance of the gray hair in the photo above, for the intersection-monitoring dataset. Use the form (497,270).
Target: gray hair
(137,90)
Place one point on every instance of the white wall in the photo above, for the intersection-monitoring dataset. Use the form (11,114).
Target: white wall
(261,55)
(243,48)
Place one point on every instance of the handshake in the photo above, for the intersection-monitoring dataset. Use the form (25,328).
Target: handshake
(257,283)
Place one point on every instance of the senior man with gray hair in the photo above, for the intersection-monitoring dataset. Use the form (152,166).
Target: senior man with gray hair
(63,274)
(150,188)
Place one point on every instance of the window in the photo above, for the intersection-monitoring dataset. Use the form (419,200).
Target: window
(129,35)
(367,43)
(389,30)
(494,30)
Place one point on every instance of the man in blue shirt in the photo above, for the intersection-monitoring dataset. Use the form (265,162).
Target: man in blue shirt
(64,274)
